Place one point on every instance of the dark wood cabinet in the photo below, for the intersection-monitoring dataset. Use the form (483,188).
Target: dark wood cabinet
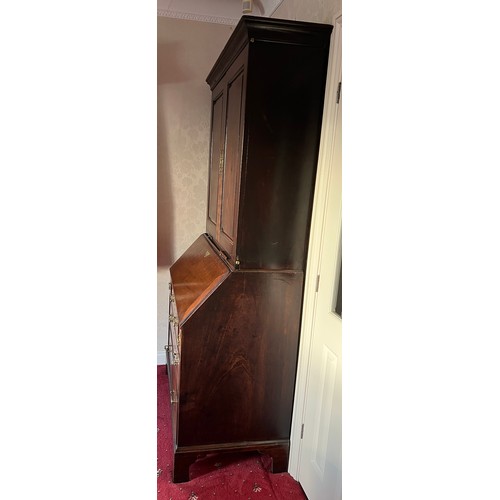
(267,100)
(236,293)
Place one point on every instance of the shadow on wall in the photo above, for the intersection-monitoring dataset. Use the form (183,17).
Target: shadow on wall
(169,68)
(169,71)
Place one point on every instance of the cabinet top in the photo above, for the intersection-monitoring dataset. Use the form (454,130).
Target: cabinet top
(251,29)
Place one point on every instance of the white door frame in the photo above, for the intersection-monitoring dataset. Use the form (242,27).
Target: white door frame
(317,225)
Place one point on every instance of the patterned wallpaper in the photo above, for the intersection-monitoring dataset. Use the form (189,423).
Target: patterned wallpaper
(187,51)
(316,11)
(183,168)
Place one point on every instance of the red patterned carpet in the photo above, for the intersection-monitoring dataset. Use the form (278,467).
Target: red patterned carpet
(217,476)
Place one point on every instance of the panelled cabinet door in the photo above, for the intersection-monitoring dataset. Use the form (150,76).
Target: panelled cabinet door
(235,104)
(228,104)
(216,160)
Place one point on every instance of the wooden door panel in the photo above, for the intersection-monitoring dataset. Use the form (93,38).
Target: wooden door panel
(232,166)
(215,157)
(234,124)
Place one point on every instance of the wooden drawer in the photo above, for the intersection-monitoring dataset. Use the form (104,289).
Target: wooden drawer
(173,345)
(174,328)
(173,359)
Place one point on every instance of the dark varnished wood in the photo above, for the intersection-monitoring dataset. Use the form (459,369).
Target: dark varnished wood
(238,361)
(225,157)
(186,456)
(215,151)
(237,291)
(284,123)
(272,30)
(272,138)
(231,174)
(195,275)
(236,379)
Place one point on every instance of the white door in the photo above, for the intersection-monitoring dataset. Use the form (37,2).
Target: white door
(319,456)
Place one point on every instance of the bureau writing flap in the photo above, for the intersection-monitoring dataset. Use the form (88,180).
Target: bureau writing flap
(195,275)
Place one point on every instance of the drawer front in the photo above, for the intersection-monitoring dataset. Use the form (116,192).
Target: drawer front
(173,379)
(174,331)
(173,346)
(173,359)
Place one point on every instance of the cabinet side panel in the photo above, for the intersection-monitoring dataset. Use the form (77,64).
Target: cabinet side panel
(239,360)
(286,84)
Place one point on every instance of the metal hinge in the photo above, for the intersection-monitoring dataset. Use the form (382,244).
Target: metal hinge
(302,431)
(339,88)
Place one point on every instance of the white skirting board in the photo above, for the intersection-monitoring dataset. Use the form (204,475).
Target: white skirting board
(162,358)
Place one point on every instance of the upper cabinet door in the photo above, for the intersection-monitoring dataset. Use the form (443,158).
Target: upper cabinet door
(216,161)
(231,173)
(228,102)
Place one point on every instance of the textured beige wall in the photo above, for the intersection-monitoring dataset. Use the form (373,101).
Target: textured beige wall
(187,51)
(316,11)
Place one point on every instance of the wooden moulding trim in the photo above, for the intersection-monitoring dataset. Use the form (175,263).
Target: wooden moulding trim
(244,445)
(256,28)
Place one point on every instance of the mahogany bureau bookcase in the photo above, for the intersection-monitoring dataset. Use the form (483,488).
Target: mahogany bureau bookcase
(236,293)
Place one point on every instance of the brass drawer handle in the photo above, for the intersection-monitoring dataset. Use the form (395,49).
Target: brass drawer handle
(176,359)
(175,356)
